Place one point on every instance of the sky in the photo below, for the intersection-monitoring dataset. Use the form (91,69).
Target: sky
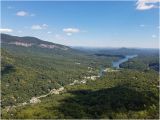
(132,24)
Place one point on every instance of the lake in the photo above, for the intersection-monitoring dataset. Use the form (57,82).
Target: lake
(116,64)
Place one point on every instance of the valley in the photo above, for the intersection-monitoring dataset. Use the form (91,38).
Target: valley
(47,80)
(80,59)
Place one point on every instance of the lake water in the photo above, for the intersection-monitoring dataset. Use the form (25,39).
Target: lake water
(117,63)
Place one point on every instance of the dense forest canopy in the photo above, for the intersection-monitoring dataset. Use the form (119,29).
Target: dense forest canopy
(31,67)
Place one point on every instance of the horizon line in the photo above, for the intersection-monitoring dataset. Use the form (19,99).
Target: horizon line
(84,46)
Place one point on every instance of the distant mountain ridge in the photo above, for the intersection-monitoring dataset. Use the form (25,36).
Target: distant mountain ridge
(30,41)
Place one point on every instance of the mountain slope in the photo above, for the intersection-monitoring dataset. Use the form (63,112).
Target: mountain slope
(30,41)
(125,94)
(32,45)
(30,70)
(35,70)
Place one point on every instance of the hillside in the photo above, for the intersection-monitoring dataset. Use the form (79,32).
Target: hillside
(47,80)
(30,42)
(118,95)
(34,70)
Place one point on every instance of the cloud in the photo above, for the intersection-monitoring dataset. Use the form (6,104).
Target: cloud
(36,27)
(147,4)
(24,13)
(4,30)
(154,36)
(70,31)
(21,13)
(39,27)
(44,25)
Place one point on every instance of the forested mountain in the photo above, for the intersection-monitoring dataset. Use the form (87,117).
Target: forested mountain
(29,42)
(34,70)
(32,45)
(70,84)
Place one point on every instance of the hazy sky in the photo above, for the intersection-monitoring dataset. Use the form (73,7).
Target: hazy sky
(94,24)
